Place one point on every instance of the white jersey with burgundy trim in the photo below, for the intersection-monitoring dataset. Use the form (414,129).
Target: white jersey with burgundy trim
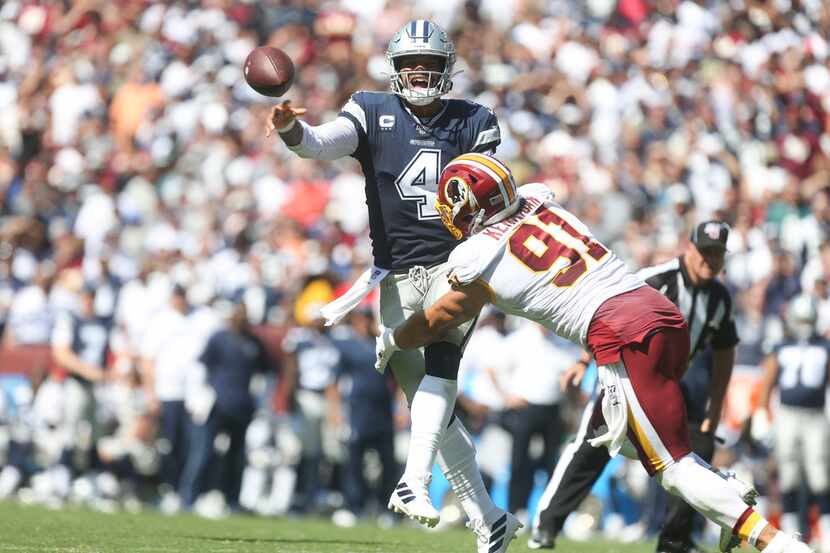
(543,264)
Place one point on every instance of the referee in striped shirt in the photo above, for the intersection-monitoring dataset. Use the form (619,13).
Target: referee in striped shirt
(690,282)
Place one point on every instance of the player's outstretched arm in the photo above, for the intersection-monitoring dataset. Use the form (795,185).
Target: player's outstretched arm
(283,120)
(328,141)
(452,309)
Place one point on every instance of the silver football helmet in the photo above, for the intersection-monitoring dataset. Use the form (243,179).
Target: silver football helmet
(421,37)
(802,316)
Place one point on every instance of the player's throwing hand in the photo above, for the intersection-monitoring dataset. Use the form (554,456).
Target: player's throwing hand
(283,117)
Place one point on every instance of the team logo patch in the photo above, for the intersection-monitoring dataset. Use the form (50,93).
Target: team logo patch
(712,230)
(386,121)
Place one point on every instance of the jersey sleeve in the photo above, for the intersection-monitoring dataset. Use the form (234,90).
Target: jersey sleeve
(468,262)
(537,189)
(328,141)
(487,136)
(355,110)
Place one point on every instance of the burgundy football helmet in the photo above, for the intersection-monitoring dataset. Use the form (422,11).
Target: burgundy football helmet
(475,190)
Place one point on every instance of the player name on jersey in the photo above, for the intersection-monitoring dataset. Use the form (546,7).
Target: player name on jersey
(497,230)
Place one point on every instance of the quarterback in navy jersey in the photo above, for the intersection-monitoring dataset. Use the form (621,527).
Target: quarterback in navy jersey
(402,155)
(403,139)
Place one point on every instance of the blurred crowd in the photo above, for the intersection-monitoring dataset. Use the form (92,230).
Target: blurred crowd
(151,236)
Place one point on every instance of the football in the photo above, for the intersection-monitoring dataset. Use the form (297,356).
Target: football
(269,71)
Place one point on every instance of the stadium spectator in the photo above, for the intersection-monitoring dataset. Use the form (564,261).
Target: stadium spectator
(312,355)
(232,356)
(361,410)
(164,373)
(80,344)
(531,396)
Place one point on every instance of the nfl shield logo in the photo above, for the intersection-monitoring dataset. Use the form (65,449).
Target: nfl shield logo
(712,230)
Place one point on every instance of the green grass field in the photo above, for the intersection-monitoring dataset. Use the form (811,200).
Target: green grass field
(33,529)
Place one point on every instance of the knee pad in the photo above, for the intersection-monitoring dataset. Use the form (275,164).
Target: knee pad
(442,360)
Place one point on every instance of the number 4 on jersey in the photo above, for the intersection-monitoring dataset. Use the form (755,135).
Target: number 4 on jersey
(419,182)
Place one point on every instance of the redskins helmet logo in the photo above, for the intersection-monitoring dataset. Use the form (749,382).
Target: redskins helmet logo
(456,190)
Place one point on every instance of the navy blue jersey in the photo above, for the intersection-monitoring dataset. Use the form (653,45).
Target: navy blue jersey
(231,359)
(87,337)
(802,372)
(368,395)
(402,158)
(316,356)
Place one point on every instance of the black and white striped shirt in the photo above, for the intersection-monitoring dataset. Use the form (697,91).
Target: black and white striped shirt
(707,308)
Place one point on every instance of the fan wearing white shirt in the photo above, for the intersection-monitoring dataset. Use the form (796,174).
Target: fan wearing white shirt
(165,366)
(531,396)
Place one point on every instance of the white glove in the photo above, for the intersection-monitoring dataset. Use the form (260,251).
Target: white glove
(385,347)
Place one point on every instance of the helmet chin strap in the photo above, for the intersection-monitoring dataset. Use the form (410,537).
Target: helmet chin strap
(478,222)
(420,100)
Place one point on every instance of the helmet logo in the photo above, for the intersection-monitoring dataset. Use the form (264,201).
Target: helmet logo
(420,25)
(456,190)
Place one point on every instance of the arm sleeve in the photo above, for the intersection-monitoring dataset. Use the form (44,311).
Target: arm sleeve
(328,141)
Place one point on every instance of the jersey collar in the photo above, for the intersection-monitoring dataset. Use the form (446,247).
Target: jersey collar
(432,120)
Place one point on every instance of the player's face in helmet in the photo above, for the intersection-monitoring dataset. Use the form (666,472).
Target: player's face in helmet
(420,72)
(429,77)
(456,206)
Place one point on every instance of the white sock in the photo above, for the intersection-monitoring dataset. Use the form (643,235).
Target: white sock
(457,459)
(693,479)
(431,410)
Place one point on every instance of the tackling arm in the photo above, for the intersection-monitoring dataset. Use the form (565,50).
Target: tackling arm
(457,306)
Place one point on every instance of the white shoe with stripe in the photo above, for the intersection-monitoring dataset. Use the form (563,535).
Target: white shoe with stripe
(495,537)
(411,498)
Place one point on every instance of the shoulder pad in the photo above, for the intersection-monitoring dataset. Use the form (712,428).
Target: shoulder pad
(538,190)
(467,262)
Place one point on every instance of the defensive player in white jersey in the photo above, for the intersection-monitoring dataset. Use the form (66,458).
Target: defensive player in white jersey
(530,257)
